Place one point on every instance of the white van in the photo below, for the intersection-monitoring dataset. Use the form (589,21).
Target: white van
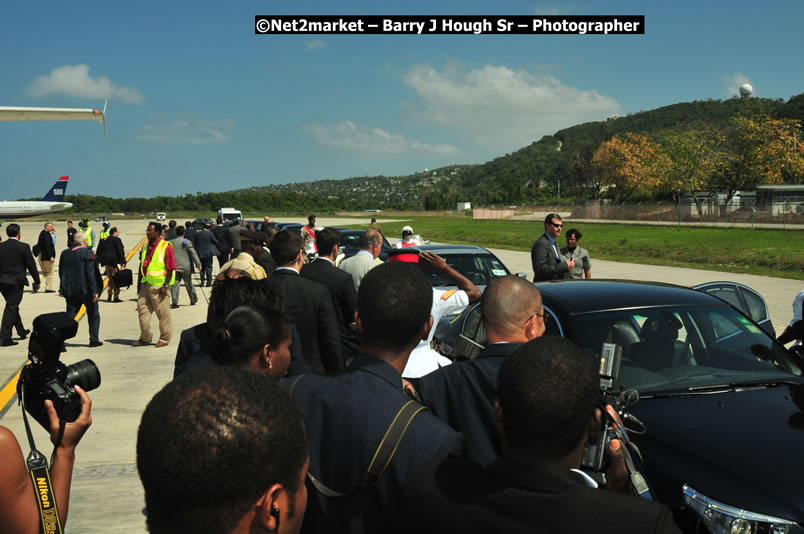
(229,214)
(161,216)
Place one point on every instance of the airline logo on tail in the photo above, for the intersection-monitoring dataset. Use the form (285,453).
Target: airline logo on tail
(56,193)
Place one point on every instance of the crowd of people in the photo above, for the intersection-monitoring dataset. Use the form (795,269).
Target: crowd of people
(311,401)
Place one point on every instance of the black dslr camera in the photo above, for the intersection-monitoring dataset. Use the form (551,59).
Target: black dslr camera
(594,455)
(46,378)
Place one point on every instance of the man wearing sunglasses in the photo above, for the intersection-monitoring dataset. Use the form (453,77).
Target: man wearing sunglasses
(545,256)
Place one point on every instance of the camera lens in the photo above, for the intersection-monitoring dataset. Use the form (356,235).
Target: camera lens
(84,374)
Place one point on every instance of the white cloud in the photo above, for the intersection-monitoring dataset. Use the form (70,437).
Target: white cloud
(185,131)
(500,108)
(373,141)
(733,84)
(74,80)
(316,44)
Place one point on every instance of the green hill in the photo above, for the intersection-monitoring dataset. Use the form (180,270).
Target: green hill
(554,169)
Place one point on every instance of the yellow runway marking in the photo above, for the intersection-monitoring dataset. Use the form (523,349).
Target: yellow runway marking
(9,391)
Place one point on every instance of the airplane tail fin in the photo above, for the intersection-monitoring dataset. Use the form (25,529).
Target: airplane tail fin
(56,193)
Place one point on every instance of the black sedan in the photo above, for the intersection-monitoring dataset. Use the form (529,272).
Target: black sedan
(722,401)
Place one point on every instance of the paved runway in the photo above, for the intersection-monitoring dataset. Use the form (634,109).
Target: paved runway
(106,492)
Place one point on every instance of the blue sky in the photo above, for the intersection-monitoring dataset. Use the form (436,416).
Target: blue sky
(198,102)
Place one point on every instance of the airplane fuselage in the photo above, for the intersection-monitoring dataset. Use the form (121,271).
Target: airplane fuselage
(30,208)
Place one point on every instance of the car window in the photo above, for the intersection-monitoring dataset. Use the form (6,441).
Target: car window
(480,269)
(722,328)
(552,327)
(472,336)
(672,349)
(727,293)
(350,242)
(756,306)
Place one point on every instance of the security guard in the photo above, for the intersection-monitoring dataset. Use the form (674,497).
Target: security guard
(86,227)
(157,273)
(105,232)
(347,414)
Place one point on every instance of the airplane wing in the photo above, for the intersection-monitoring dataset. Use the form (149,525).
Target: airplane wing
(10,113)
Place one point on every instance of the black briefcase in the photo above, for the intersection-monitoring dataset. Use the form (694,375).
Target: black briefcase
(123,278)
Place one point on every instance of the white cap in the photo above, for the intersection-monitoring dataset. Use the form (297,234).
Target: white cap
(407,229)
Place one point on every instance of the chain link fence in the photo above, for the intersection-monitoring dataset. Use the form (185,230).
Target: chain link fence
(775,214)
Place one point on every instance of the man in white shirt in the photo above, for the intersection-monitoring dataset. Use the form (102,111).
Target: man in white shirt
(423,359)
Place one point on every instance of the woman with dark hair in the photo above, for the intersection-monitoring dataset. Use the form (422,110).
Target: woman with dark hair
(583,267)
(255,338)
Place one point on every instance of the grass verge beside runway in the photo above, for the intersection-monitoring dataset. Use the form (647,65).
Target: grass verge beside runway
(778,253)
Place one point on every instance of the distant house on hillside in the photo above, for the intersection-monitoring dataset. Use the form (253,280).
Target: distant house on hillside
(463,206)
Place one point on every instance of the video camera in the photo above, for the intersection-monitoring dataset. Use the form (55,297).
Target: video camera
(46,378)
(595,453)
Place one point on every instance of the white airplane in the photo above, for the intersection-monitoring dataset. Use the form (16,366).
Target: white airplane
(53,201)
(12,113)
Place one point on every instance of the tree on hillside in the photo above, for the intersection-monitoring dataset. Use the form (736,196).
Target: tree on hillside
(694,154)
(630,164)
(758,151)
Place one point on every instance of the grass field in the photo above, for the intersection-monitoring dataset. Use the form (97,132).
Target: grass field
(737,250)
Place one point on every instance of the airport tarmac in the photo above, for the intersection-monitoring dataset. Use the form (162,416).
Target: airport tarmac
(106,493)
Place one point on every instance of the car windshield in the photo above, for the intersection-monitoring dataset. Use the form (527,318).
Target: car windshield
(682,349)
(479,268)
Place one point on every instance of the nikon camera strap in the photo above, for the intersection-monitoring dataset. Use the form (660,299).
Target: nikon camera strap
(384,453)
(49,521)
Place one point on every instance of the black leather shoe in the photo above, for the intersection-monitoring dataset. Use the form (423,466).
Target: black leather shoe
(96,343)
(24,333)
(117,300)
(8,343)
(174,306)
(50,290)
(193,303)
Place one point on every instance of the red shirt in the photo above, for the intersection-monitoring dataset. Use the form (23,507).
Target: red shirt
(170,259)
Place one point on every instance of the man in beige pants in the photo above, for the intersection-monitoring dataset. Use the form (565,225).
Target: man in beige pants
(47,255)
(156,274)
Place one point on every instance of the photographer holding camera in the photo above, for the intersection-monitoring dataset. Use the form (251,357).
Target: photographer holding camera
(19,513)
(549,407)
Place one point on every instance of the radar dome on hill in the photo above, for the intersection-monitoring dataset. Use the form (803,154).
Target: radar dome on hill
(746,90)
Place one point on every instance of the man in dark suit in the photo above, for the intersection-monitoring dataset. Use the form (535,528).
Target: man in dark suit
(112,256)
(340,286)
(263,256)
(463,394)
(347,414)
(545,256)
(234,237)
(47,255)
(306,304)
(549,392)
(207,246)
(190,233)
(15,258)
(221,234)
(79,285)
(170,233)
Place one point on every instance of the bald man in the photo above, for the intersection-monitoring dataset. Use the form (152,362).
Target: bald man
(462,395)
